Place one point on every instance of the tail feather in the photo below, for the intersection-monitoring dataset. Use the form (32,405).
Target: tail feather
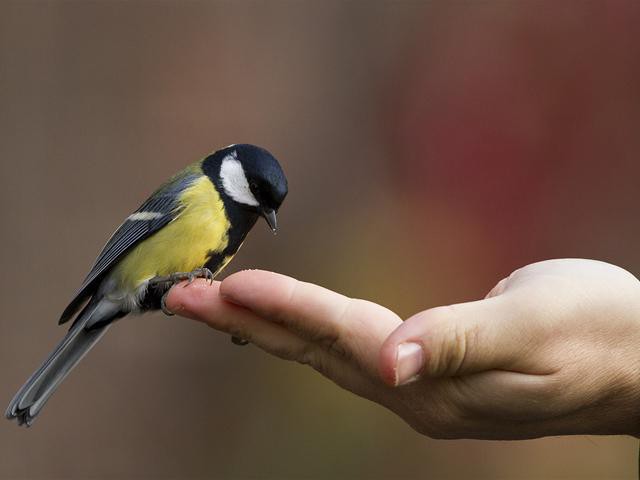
(30,399)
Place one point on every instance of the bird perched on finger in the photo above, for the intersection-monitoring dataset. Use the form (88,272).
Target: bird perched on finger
(190,227)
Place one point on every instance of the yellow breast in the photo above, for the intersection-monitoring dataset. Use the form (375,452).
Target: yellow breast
(183,245)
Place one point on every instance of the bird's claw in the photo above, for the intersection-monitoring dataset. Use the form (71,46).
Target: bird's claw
(163,306)
(162,284)
(177,277)
(197,273)
(241,342)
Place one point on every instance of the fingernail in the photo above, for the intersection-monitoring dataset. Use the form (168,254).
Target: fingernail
(409,362)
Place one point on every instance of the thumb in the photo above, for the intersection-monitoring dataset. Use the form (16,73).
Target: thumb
(466,338)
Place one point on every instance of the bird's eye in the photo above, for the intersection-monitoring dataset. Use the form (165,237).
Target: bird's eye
(253,186)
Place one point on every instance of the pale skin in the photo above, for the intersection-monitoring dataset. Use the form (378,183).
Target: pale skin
(554,349)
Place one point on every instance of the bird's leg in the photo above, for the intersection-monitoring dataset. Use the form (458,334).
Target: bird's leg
(172,279)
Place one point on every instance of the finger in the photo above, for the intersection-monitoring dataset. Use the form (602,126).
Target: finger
(353,329)
(461,339)
(201,301)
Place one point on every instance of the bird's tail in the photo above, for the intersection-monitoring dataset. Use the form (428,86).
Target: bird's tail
(30,399)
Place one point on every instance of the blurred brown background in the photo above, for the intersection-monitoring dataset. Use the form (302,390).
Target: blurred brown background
(431,148)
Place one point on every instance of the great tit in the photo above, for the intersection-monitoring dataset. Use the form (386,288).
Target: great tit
(192,226)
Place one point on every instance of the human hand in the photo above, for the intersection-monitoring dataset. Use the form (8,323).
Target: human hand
(554,348)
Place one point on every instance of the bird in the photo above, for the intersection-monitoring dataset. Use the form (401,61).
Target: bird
(190,227)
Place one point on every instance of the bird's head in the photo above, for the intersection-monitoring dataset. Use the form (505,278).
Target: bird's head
(250,177)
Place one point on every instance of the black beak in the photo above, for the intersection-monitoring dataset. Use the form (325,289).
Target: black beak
(270,217)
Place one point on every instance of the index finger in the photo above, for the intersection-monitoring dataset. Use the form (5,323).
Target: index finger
(350,327)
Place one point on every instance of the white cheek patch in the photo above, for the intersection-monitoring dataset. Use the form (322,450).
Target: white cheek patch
(234,181)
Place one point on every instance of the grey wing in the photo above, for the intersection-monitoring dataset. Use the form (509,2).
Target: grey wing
(160,209)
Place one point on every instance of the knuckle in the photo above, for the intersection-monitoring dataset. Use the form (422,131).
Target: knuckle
(294,291)
(275,309)
(449,342)
(330,342)
(307,355)
(329,338)
(314,357)
(285,352)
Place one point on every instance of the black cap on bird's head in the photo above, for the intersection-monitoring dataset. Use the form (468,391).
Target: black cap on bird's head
(250,177)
